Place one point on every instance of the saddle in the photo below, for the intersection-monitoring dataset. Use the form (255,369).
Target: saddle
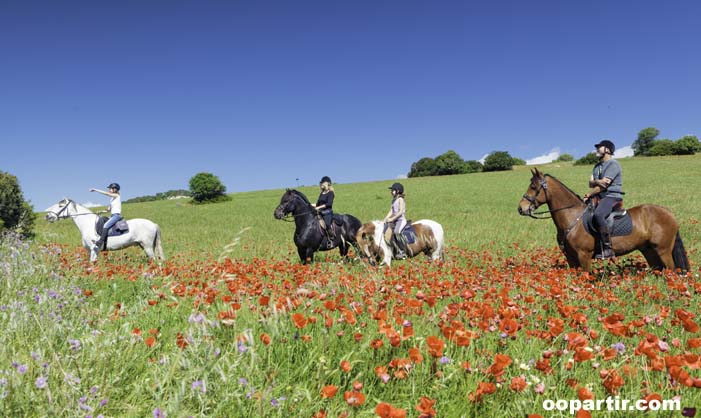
(619,221)
(408,234)
(120,228)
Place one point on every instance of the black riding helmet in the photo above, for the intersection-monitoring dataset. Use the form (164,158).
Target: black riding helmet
(398,187)
(113,186)
(608,144)
(325,179)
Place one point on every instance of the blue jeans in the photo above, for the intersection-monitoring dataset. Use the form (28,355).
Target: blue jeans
(113,220)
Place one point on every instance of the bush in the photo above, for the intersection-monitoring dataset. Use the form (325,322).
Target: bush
(472,166)
(449,163)
(422,168)
(563,158)
(15,214)
(661,147)
(519,161)
(498,161)
(206,187)
(687,145)
(588,159)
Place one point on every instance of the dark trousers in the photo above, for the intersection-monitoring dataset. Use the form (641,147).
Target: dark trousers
(604,209)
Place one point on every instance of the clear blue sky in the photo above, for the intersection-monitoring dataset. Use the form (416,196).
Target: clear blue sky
(260,93)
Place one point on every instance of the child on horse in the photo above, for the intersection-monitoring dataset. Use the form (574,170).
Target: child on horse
(324,206)
(115,209)
(395,219)
(606,183)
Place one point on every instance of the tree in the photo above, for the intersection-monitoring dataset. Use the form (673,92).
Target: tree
(424,167)
(449,163)
(565,158)
(645,140)
(588,159)
(15,214)
(206,187)
(498,161)
(519,161)
(687,145)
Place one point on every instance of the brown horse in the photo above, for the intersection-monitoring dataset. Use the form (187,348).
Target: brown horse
(655,230)
(371,240)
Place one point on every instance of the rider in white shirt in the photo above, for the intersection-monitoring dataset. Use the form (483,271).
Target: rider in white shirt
(115,209)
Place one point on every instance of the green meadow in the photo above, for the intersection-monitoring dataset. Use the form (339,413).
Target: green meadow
(232,326)
(477,211)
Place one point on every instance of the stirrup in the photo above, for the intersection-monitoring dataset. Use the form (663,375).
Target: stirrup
(606,253)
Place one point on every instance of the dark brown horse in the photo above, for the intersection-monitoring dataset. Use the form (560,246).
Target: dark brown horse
(655,230)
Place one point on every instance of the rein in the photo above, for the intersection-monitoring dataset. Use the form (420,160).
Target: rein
(290,217)
(58,214)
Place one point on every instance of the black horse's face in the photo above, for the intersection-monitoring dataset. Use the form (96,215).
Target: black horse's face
(286,206)
(535,194)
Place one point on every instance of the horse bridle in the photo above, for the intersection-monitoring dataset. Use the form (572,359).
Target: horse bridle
(290,217)
(68,202)
(534,202)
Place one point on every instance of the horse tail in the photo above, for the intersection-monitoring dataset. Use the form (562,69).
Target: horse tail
(679,254)
(157,247)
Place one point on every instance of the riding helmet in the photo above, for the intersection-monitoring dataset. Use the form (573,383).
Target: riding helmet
(608,144)
(398,187)
(325,179)
(113,186)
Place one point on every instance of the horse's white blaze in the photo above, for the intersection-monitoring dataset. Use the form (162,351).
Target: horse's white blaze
(141,231)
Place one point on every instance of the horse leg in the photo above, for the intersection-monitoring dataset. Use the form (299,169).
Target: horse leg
(148,250)
(584,259)
(653,260)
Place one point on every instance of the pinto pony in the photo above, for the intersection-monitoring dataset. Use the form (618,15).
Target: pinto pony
(655,231)
(429,240)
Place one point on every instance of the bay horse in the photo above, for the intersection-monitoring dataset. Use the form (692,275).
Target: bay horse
(655,231)
(309,236)
(374,247)
(142,232)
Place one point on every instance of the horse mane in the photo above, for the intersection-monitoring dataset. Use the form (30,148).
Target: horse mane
(565,186)
(300,194)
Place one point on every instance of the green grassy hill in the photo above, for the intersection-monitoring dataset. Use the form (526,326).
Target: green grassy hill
(477,210)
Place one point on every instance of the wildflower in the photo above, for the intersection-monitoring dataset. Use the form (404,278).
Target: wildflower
(75,344)
(22,369)
(444,360)
(158,414)
(619,347)
(199,385)
(41,382)
(328,391)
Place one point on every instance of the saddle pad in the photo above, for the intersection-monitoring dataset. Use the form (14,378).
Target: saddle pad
(621,226)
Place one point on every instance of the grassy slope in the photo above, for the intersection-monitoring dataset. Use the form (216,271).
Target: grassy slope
(478,211)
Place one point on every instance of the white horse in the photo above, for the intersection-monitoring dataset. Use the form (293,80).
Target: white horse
(429,240)
(142,232)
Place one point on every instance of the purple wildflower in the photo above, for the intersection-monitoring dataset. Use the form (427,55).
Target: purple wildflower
(41,382)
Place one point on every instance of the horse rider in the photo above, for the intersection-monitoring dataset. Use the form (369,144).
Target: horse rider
(606,183)
(396,220)
(324,206)
(115,209)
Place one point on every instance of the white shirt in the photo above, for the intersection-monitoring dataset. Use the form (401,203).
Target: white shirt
(116,205)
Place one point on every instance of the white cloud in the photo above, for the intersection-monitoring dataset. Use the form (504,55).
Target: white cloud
(624,152)
(91,204)
(401,176)
(546,158)
(481,160)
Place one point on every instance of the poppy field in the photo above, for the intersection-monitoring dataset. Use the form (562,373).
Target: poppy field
(232,325)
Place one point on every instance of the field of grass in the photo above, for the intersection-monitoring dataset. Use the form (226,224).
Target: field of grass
(499,327)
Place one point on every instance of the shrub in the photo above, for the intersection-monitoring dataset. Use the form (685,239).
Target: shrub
(206,187)
(588,159)
(565,158)
(498,161)
(15,214)
(424,167)
(687,145)
(519,161)
(661,147)
(472,166)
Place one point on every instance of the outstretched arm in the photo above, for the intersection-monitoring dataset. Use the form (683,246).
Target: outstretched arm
(104,192)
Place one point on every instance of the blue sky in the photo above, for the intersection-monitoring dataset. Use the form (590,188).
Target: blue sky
(262,93)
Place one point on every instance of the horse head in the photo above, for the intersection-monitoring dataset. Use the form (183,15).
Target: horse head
(59,210)
(371,242)
(290,202)
(536,194)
